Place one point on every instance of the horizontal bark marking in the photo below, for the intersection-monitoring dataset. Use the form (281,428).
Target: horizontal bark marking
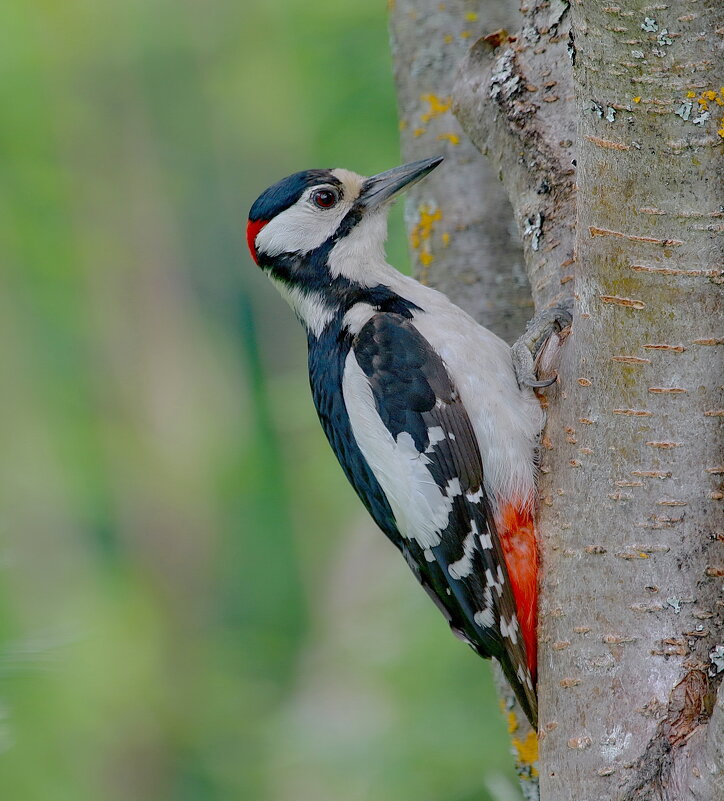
(593,231)
(653,607)
(617,639)
(671,502)
(708,272)
(585,382)
(654,444)
(683,214)
(633,412)
(672,348)
(715,471)
(652,473)
(605,143)
(710,341)
(630,359)
(618,301)
(667,390)
(714,413)
(655,548)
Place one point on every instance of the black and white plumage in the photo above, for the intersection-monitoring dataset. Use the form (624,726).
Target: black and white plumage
(419,403)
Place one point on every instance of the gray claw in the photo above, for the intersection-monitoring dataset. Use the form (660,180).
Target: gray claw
(546,383)
(537,333)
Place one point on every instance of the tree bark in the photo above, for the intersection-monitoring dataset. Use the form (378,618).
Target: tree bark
(605,126)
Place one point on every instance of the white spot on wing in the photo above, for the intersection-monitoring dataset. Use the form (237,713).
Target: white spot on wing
(509,630)
(491,582)
(485,618)
(486,541)
(429,555)
(464,566)
(435,434)
(453,488)
(474,497)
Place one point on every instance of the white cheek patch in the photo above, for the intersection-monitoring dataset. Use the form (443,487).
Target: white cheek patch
(300,228)
(421,509)
(360,256)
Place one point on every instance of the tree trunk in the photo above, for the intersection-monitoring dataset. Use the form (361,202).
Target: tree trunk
(630,511)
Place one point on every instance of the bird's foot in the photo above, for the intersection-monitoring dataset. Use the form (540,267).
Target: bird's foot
(538,331)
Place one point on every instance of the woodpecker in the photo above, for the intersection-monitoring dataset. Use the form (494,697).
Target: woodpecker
(421,405)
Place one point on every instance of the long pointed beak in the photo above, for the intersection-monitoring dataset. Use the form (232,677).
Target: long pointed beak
(387,185)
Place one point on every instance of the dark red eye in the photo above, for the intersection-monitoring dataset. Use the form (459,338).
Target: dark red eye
(325,198)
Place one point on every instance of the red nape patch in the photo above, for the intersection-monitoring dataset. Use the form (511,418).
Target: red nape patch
(517,535)
(252,230)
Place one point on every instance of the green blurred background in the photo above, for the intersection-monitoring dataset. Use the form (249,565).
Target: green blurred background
(193,605)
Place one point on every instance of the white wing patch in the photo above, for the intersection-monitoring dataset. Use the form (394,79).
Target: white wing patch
(421,509)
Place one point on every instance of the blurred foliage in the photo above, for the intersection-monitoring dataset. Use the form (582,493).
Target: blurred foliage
(193,606)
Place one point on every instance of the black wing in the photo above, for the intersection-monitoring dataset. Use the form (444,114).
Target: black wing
(465,573)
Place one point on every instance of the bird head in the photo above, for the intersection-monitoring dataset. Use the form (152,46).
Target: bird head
(311,211)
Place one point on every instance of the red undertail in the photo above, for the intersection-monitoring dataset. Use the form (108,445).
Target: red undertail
(517,534)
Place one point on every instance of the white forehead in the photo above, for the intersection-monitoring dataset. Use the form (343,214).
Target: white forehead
(303,226)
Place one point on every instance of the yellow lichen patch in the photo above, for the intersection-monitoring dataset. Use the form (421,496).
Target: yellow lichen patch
(637,100)
(420,238)
(471,16)
(403,125)
(512,723)
(437,105)
(710,95)
(691,94)
(527,751)
(418,132)
(421,233)
(448,39)
(445,239)
(465,35)
(453,138)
